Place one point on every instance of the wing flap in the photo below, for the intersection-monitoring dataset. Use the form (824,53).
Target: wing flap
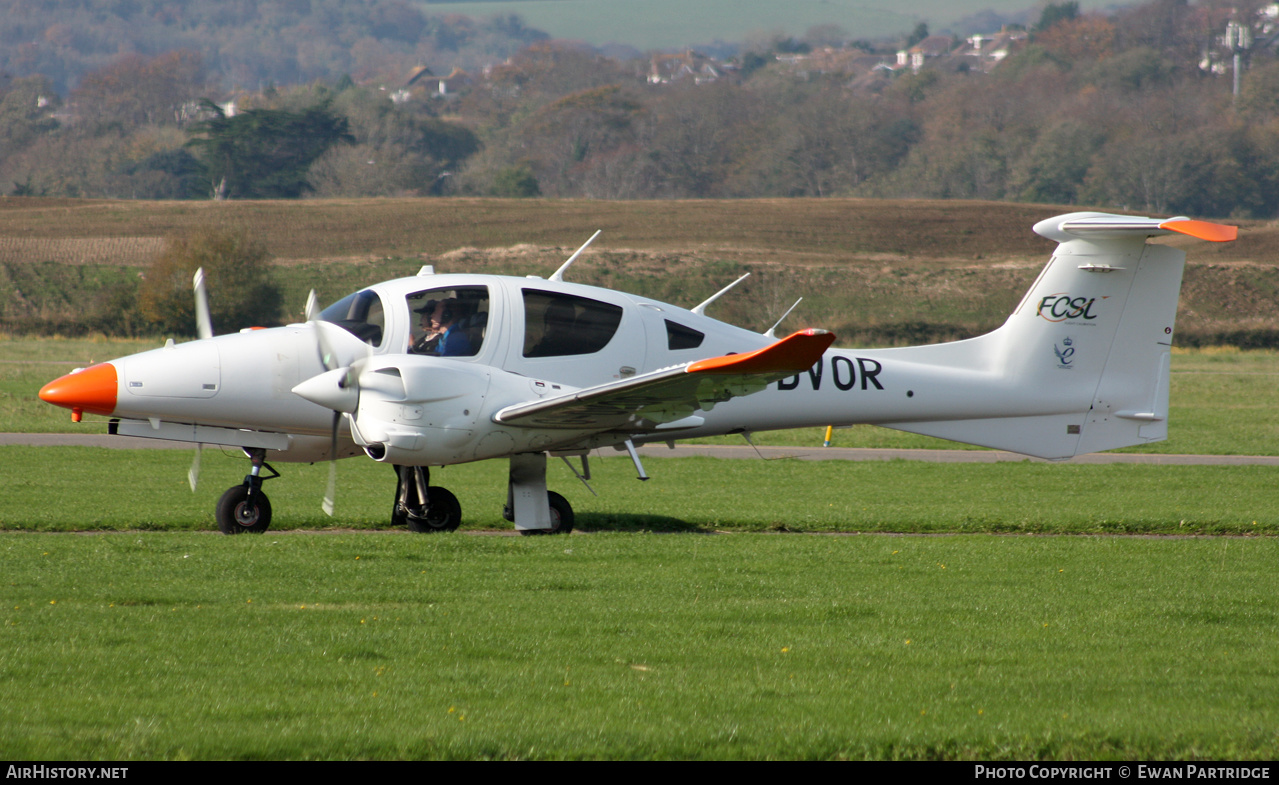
(671,394)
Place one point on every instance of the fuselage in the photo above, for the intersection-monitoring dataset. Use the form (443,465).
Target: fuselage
(555,335)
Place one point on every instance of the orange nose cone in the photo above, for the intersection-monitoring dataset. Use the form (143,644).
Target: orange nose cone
(92,390)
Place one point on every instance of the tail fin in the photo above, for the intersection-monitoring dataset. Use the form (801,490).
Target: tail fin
(1085,357)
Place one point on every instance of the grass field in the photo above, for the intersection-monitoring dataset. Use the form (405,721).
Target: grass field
(146,636)
(620,643)
(145,646)
(883,272)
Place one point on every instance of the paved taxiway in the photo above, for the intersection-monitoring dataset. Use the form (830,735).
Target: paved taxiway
(724,451)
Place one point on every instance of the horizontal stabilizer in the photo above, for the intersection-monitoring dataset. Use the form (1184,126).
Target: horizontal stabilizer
(646,402)
(1104,226)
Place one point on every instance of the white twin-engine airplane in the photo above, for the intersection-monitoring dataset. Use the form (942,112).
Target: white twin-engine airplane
(523,368)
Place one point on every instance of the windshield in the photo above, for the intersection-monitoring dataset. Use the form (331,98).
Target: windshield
(360,314)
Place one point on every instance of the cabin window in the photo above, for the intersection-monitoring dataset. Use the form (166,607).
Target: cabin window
(360,314)
(449,322)
(680,337)
(557,325)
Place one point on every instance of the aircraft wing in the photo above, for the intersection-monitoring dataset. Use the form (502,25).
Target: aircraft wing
(671,395)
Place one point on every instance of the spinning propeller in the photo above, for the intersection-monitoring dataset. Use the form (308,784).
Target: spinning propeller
(343,357)
(203,329)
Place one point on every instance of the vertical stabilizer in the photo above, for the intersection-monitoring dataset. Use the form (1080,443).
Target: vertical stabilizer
(1082,364)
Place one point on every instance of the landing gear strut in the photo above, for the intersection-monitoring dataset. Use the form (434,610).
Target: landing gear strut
(534,509)
(245,508)
(421,507)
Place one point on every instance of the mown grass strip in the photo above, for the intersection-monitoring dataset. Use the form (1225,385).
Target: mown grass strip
(176,645)
(87,489)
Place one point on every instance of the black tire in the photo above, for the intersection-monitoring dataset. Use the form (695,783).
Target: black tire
(561,516)
(237,515)
(444,513)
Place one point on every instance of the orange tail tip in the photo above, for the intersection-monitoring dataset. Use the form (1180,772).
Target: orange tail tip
(796,352)
(92,390)
(1203,230)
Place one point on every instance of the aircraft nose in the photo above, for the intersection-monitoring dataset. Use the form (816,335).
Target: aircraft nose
(91,390)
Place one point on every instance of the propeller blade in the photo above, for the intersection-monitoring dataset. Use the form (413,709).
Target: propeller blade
(337,347)
(193,474)
(203,324)
(312,307)
(330,493)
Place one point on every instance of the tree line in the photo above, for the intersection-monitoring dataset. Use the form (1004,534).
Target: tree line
(1100,109)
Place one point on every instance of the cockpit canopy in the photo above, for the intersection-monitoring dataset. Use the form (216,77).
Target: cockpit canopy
(445,321)
(360,314)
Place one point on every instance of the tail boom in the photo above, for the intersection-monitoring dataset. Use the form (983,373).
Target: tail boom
(1081,365)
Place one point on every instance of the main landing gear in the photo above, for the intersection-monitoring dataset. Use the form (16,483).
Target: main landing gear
(245,508)
(533,509)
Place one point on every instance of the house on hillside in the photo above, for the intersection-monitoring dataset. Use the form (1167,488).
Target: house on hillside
(931,47)
(422,82)
(830,60)
(985,51)
(1240,34)
(667,68)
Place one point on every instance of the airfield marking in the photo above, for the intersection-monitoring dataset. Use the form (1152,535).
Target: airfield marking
(725,451)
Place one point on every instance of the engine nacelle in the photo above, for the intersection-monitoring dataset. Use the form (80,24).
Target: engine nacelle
(419,410)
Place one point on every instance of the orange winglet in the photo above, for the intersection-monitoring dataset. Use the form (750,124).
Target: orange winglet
(794,353)
(91,390)
(1203,230)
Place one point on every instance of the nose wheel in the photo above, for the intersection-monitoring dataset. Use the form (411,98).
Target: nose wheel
(244,508)
(241,513)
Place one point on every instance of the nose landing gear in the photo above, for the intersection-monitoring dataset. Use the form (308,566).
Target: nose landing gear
(244,508)
(440,512)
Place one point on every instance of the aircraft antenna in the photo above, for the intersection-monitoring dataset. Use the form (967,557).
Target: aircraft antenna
(558,275)
(639,467)
(700,309)
(747,436)
(772,331)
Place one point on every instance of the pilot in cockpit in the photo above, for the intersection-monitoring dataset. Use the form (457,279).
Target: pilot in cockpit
(428,342)
(452,342)
(441,334)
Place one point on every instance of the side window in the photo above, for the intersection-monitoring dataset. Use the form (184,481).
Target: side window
(449,322)
(556,325)
(680,337)
(360,314)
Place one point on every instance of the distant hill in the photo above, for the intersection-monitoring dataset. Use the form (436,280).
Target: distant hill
(664,24)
